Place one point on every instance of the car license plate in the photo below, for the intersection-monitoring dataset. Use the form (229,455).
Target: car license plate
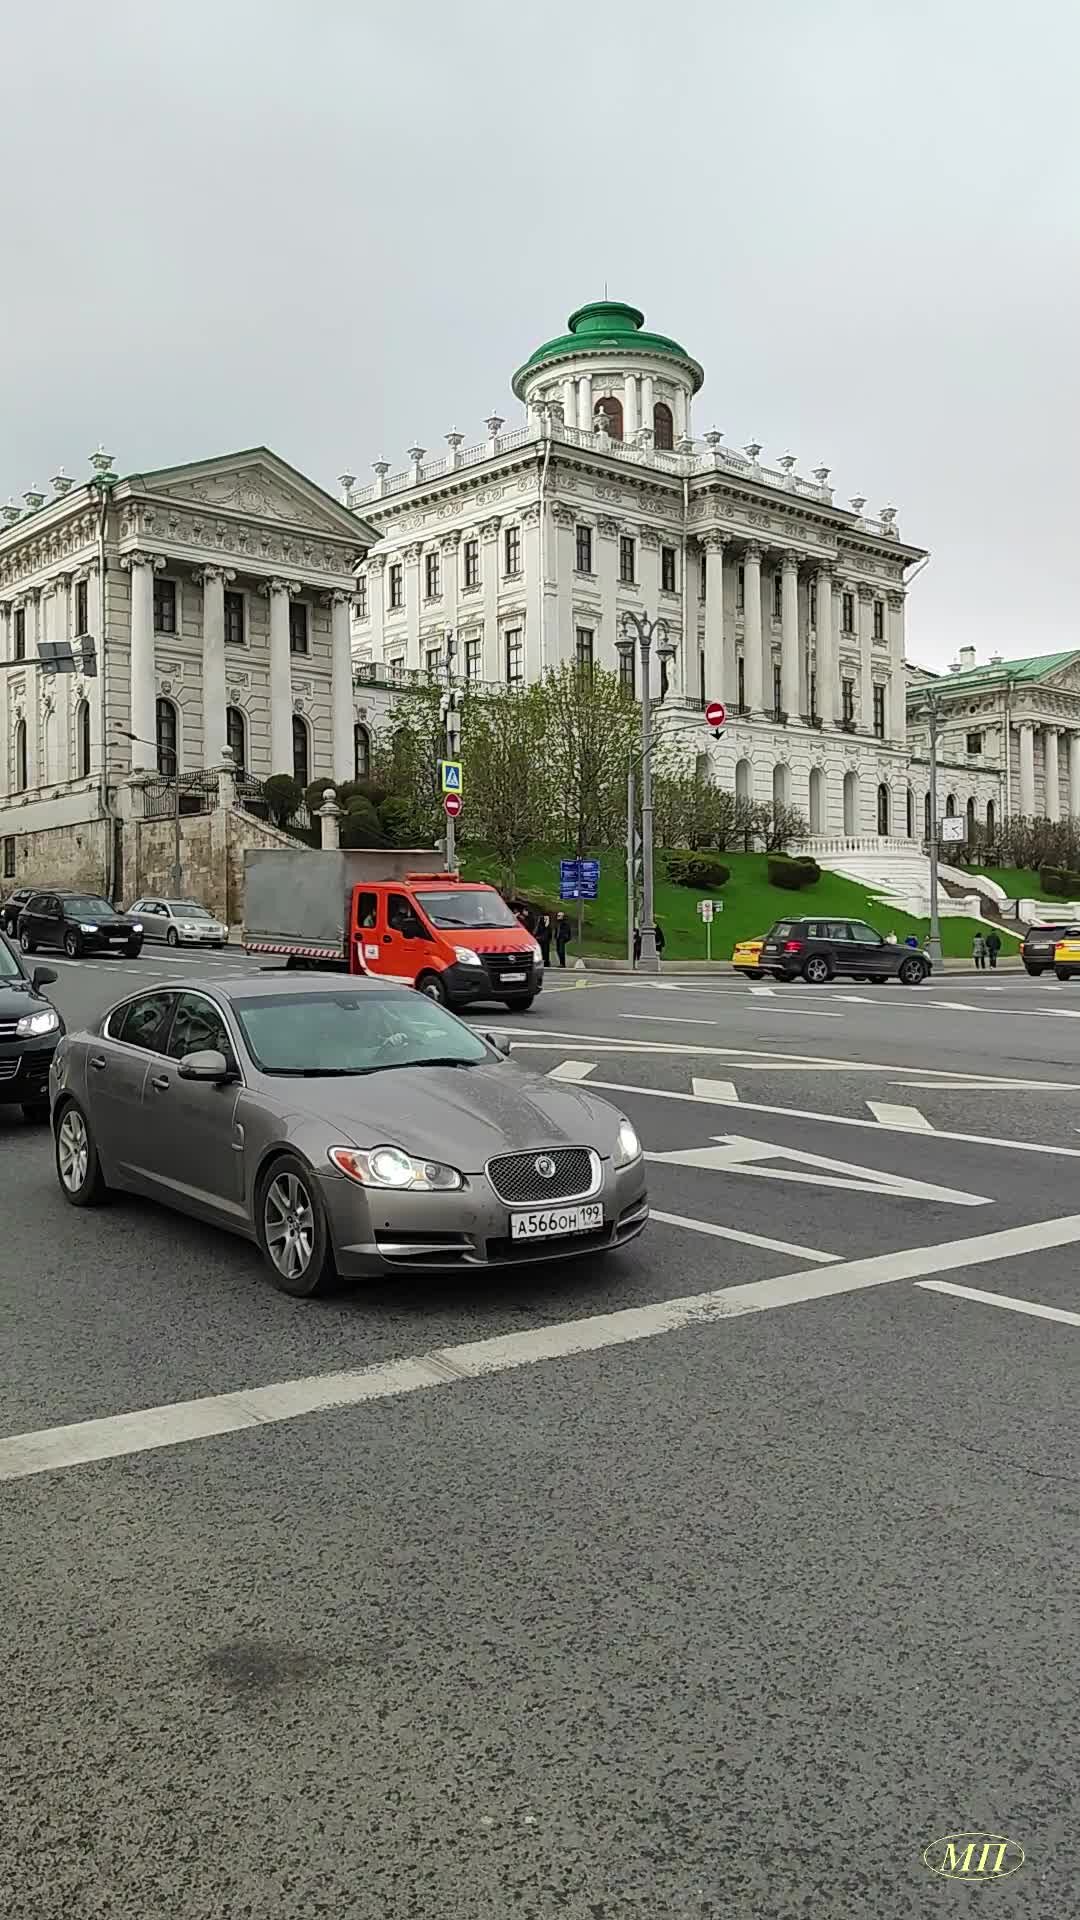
(118,939)
(554,1221)
(510,978)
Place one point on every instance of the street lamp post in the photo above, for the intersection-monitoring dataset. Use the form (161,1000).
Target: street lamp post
(637,628)
(450,711)
(933,945)
(178,864)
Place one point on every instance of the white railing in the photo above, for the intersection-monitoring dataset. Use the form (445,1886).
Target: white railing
(860,843)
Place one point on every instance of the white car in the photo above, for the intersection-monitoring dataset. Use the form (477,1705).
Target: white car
(183,923)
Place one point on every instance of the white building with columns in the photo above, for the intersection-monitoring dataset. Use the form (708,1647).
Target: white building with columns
(218,595)
(785,604)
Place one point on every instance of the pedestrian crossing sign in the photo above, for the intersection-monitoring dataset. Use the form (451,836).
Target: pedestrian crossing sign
(450,776)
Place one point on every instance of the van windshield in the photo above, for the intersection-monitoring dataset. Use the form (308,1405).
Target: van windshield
(471,907)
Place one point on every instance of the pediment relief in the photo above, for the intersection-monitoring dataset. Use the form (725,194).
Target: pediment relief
(256,493)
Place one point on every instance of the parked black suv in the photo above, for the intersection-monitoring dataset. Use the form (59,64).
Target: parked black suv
(29,1030)
(78,922)
(1037,952)
(12,906)
(818,950)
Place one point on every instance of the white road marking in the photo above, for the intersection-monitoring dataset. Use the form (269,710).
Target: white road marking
(764,991)
(895,1116)
(724,1090)
(572,1070)
(668,1019)
(736,1153)
(855,999)
(1002,1300)
(992,1086)
(118,1435)
(745,1239)
(953,1006)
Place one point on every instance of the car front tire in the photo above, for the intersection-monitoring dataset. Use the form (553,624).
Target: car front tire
(432,988)
(134,949)
(291,1224)
(27,943)
(72,946)
(78,1168)
(913,973)
(173,937)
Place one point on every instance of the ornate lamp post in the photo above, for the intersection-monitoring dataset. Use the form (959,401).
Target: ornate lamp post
(637,629)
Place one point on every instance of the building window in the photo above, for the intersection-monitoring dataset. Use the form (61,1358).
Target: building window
(813,695)
(472,563)
(740,590)
(512,550)
(584,649)
(626,559)
(702,574)
(21,769)
(847,697)
(361,752)
(474,661)
(667,569)
(361,598)
(396,667)
(19,635)
(515,657)
(234,619)
(663,427)
(608,413)
(777,693)
(812,604)
(166,737)
(164,606)
(301,763)
(298,626)
(879,619)
(847,612)
(584,549)
(82,615)
(82,740)
(433,658)
(236,737)
(879,712)
(741,672)
(974,742)
(628,672)
(432,587)
(9,856)
(777,595)
(397,587)
(702,695)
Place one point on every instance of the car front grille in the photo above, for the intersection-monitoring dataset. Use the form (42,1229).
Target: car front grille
(7,1029)
(497,964)
(517,1179)
(8,1069)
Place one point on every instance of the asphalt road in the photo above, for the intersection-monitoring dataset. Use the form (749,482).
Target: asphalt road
(715,1581)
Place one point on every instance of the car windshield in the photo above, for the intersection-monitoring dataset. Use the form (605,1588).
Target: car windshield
(350,1032)
(89,907)
(473,907)
(9,966)
(189,910)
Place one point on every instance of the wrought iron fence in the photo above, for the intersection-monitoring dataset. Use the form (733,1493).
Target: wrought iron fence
(198,793)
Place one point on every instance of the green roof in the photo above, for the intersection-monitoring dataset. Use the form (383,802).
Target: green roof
(607,326)
(1037,666)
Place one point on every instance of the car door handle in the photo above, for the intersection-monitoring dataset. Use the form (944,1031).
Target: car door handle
(161,1082)
(98,1062)
(386,939)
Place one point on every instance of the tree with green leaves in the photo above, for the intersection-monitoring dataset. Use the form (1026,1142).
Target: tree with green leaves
(507,774)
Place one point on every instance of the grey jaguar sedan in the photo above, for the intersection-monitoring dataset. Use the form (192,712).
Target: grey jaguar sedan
(348,1126)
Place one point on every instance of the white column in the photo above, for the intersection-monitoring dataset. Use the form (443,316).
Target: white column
(376,581)
(34,732)
(1027,767)
(828,683)
(717,684)
(584,403)
(866,659)
(411,556)
(789,634)
(606,563)
(341,686)
(569,402)
(682,415)
(647,401)
(60,629)
(1052,774)
(143,682)
(752,626)
(896,727)
(214,696)
(631,421)
(281,713)
(450,563)
(1074,774)
(5,721)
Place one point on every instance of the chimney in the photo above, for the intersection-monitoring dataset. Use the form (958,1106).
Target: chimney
(967,659)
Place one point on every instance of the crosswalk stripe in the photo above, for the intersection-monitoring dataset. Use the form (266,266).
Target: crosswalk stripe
(892,1115)
(1006,1300)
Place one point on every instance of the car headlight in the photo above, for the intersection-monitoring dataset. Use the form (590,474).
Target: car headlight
(391,1167)
(629,1148)
(46,1021)
(83,928)
(136,926)
(467,957)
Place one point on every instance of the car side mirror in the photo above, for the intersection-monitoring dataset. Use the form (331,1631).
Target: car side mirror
(209,1065)
(500,1043)
(42,977)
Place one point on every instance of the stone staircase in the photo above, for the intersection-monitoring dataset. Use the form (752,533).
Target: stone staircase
(897,873)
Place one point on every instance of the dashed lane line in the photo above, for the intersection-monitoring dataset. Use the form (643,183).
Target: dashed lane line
(1005,1300)
(711,1228)
(909,1119)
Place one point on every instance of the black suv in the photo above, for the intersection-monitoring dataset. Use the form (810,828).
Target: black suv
(12,906)
(1037,952)
(819,950)
(29,1030)
(80,923)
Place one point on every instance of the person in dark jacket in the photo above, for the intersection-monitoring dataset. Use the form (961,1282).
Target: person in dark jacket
(993,945)
(543,938)
(659,932)
(562,936)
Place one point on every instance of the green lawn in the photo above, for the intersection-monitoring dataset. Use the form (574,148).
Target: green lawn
(1018,882)
(750,905)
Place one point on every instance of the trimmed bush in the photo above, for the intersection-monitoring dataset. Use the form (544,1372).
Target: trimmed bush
(283,796)
(1060,883)
(700,870)
(360,825)
(792,875)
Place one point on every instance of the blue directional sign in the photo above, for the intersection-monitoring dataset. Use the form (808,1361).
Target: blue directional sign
(579,879)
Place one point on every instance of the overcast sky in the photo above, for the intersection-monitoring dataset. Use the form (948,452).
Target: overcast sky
(335,228)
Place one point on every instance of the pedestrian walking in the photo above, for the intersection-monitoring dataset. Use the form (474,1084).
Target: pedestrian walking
(993,946)
(978,951)
(543,938)
(637,945)
(659,932)
(562,936)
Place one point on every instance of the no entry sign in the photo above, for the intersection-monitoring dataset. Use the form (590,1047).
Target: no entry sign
(452,805)
(715,713)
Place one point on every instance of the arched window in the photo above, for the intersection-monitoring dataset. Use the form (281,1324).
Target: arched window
(236,737)
(950,807)
(971,818)
(20,756)
(361,751)
(301,761)
(166,737)
(910,822)
(663,426)
(926,816)
(611,410)
(883,810)
(82,740)
(991,819)
(851,802)
(781,784)
(817,800)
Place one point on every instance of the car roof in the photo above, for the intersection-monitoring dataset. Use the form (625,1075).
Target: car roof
(271,980)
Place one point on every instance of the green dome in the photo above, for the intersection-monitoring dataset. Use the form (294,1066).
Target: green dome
(606,326)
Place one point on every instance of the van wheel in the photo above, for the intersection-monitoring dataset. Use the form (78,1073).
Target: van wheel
(519,1002)
(430,985)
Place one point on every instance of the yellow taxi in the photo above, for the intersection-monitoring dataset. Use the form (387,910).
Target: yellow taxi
(1067,958)
(746,958)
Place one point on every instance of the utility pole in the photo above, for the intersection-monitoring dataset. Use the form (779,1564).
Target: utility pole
(631,863)
(933,945)
(450,712)
(637,629)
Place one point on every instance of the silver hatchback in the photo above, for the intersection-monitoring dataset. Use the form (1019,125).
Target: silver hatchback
(181,923)
(348,1126)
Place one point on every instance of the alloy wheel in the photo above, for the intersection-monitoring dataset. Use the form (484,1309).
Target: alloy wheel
(816,971)
(289,1223)
(73,1150)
